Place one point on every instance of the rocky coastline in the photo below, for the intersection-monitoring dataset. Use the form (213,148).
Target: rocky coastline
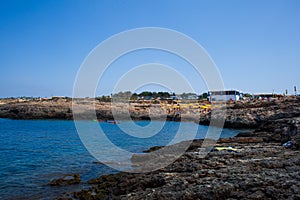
(89,109)
(254,113)
(260,167)
(238,114)
(255,170)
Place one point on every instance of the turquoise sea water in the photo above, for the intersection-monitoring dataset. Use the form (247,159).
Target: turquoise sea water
(33,152)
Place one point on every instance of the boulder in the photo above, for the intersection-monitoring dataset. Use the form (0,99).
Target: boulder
(69,179)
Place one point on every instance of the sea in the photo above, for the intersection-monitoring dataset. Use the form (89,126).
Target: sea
(34,152)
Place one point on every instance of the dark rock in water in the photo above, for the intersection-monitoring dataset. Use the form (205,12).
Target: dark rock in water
(155,148)
(69,179)
(120,184)
(245,134)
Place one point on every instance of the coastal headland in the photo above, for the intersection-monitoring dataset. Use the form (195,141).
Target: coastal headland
(260,164)
(251,165)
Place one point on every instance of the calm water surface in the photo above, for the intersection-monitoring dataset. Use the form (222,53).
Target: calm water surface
(33,152)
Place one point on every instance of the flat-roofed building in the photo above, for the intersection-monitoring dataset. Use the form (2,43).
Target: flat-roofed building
(226,95)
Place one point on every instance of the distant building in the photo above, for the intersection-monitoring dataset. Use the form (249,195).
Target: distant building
(192,97)
(226,95)
(175,97)
(148,98)
(266,96)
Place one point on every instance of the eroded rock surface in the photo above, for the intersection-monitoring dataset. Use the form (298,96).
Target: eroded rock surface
(69,179)
(255,113)
(257,171)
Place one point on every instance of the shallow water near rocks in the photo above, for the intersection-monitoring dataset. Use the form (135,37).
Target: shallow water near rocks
(33,152)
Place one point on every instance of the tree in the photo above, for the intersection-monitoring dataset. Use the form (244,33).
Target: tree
(134,96)
(146,94)
(104,98)
(204,95)
(163,95)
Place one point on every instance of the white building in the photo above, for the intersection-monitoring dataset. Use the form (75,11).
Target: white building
(227,95)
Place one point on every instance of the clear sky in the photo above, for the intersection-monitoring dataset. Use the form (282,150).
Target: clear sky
(255,44)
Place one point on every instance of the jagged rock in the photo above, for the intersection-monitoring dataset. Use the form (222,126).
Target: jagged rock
(257,171)
(242,140)
(296,141)
(253,114)
(69,179)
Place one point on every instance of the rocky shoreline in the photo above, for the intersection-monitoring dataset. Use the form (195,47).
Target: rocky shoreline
(256,171)
(238,114)
(254,113)
(87,109)
(259,167)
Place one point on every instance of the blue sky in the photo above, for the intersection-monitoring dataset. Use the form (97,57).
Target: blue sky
(255,44)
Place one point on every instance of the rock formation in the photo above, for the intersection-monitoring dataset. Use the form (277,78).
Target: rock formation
(257,171)
(253,114)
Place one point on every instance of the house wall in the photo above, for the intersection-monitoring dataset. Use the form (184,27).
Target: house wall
(225,97)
